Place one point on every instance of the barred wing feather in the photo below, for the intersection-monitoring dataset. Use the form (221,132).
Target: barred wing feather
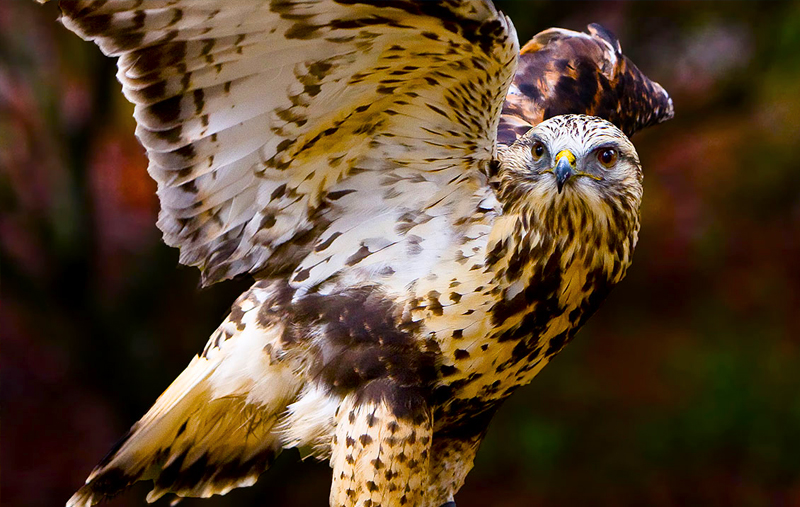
(259,116)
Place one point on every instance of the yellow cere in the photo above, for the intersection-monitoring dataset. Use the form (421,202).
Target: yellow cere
(568,154)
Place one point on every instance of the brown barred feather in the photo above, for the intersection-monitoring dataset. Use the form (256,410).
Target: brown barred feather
(242,174)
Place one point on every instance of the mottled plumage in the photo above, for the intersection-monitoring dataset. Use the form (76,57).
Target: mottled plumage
(411,269)
(561,72)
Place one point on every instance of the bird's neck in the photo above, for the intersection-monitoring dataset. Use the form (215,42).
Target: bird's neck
(556,259)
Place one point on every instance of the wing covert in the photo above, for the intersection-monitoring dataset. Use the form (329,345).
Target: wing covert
(259,117)
(565,72)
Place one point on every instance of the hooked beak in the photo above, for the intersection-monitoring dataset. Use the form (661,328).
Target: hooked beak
(565,168)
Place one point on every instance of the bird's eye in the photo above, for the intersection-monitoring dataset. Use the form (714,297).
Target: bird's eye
(537,150)
(607,156)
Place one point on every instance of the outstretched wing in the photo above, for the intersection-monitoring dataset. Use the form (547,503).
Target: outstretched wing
(566,72)
(260,118)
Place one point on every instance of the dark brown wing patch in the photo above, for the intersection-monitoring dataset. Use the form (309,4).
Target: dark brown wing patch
(566,72)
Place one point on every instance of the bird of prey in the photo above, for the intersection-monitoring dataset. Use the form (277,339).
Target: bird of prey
(424,236)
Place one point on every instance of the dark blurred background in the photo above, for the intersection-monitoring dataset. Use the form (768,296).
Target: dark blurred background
(682,390)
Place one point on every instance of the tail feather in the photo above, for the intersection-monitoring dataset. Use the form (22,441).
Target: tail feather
(213,429)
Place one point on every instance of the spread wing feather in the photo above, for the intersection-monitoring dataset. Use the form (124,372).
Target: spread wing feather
(257,116)
(565,72)
(215,427)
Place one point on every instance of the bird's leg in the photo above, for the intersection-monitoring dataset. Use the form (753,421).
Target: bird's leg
(381,448)
(452,456)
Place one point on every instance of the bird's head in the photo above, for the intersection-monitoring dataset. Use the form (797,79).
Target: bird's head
(571,168)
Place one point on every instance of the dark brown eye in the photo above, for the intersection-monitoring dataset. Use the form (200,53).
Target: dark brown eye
(607,156)
(537,150)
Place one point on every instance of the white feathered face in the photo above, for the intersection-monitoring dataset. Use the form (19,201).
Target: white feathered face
(575,166)
(581,154)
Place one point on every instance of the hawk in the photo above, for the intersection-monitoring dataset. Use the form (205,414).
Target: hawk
(425,223)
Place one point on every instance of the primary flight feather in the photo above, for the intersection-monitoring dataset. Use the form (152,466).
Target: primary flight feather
(413,265)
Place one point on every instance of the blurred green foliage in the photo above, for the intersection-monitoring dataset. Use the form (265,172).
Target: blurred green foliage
(682,390)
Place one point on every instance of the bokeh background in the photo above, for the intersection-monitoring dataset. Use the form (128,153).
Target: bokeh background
(683,390)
